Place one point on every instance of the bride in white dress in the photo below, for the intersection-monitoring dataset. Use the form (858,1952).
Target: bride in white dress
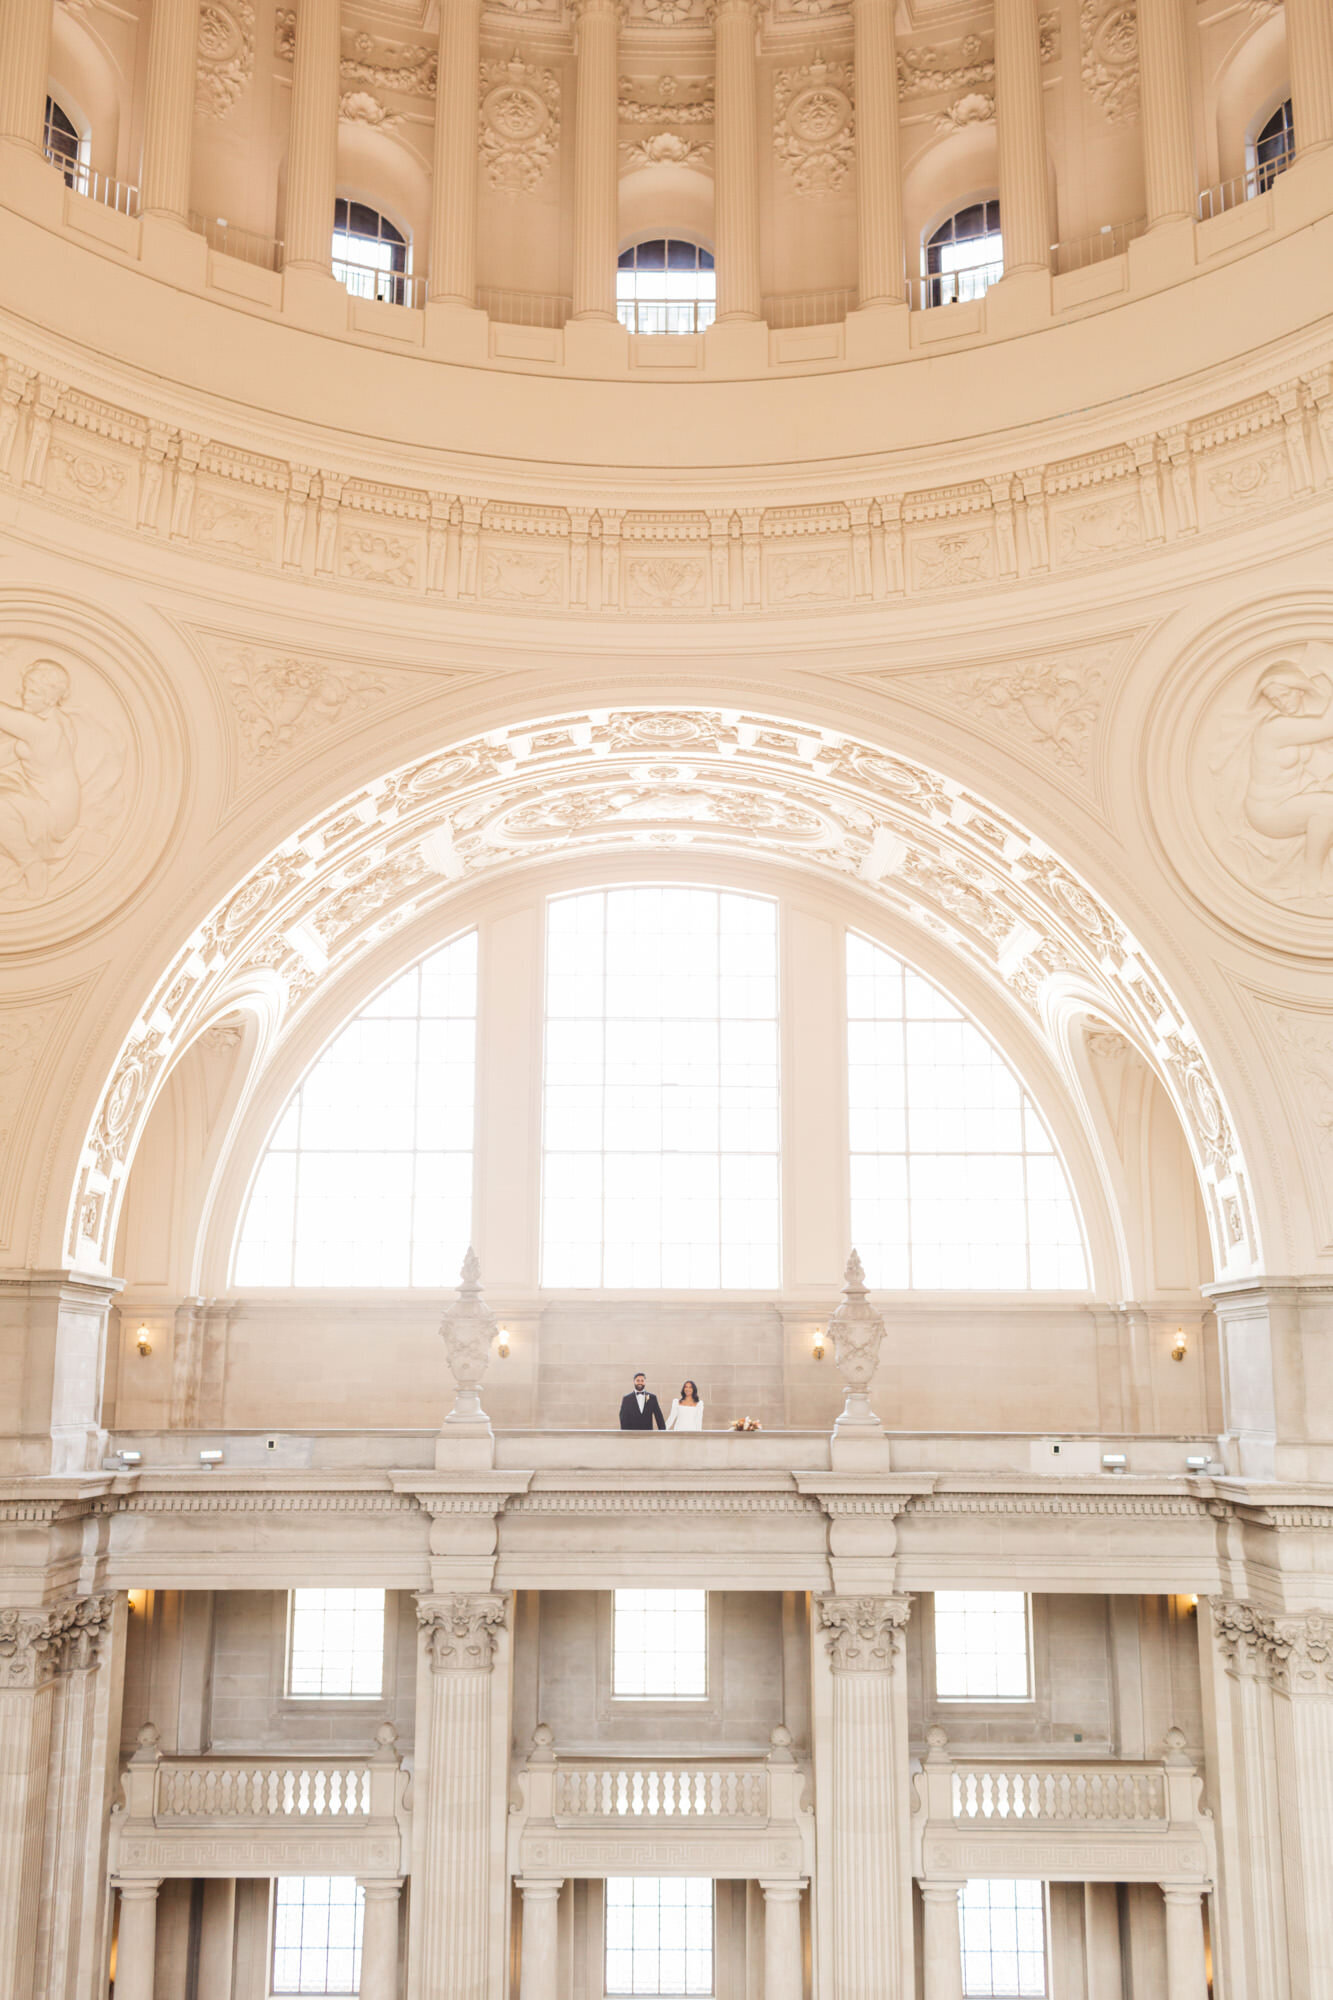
(687,1412)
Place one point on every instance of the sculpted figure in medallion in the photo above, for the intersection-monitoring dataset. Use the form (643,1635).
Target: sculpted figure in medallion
(60,773)
(1274,761)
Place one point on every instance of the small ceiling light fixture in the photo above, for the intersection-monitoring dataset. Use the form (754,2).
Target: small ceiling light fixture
(502,1344)
(128,1457)
(1179,1346)
(818,1349)
(1114,1461)
(208,1459)
(1196,1464)
(142,1342)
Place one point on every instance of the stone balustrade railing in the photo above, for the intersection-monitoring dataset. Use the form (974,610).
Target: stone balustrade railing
(667,1791)
(201,1788)
(1060,1793)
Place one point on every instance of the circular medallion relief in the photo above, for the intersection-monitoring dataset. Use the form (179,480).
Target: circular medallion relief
(1251,828)
(75,811)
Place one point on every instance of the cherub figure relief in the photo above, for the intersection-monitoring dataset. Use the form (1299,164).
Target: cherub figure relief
(60,774)
(1275,764)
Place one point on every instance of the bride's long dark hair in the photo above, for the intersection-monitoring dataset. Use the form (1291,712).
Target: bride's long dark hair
(687,1384)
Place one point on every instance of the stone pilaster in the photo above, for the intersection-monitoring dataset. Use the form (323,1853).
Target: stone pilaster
(173,39)
(867,1767)
(51,1806)
(540,1961)
(53,1348)
(1168,130)
(1020,125)
(136,1940)
(879,193)
(596,163)
(379,1941)
(942,1950)
(458,1829)
(1272,1334)
(736,152)
(784,1970)
(1310,67)
(1186,1970)
(312,144)
(453,213)
(25,62)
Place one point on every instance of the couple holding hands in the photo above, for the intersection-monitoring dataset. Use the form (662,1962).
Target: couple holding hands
(641,1411)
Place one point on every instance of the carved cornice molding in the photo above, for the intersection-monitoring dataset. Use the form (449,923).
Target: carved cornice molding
(38,1646)
(664,1501)
(1153,1506)
(863,1634)
(460,1631)
(1293,1654)
(255,1503)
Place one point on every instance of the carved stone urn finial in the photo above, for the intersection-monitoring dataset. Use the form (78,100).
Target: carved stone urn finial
(856,1331)
(468,1331)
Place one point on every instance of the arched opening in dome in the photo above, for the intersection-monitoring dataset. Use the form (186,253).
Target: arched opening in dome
(371,255)
(65,144)
(1274,147)
(964,256)
(666,284)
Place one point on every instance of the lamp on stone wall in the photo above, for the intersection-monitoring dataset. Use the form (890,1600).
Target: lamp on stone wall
(502,1344)
(1179,1346)
(143,1343)
(818,1349)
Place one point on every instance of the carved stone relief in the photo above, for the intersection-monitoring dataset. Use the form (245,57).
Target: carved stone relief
(1307,1042)
(975,107)
(670,149)
(1109,30)
(360,107)
(225,57)
(1052,704)
(406,68)
(666,99)
(813,125)
(519,124)
(67,776)
(1263,778)
(281,699)
(931,70)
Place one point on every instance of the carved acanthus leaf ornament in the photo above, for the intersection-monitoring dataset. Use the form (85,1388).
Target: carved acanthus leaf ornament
(36,1646)
(281,699)
(1110,36)
(863,1634)
(519,123)
(813,126)
(1294,1654)
(225,57)
(460,1631)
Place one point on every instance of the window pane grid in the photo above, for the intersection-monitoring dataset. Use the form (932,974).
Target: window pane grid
(955,1184)
(368,1177)
(661,1141)
(317,1934)
(1002,1925)
(337,1643)
(659,1648)
(981,1646)
(659,1935)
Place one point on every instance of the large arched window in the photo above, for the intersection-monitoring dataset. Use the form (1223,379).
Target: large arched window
(964,256)
(370,256)
(660,1150)
(955,1184)
(368,1178)
(667,285)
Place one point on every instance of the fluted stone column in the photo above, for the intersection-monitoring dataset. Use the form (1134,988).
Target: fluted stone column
(81,1783)
(1168,132)
(1020,124)
(879,194)
(943,1944)
(136,1940)
(312,146)
(452,1816)
(453,214)
(1186,1972)
(164,179)
(1241,1744)
(784,1969)
(596,163)
(1310,67)
(25,64)
(540,1967)
(871,1865)
(379,1941)
(736,156)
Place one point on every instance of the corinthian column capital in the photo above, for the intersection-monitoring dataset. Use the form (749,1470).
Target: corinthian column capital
(460,1630)
(35,1646)
(863,1633)
(1294,1654)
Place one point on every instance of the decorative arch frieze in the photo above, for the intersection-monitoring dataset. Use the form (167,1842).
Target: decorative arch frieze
(682,780)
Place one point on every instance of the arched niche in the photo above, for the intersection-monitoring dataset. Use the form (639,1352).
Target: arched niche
(665,199)
(382,169)
(88,82)
(1252,82)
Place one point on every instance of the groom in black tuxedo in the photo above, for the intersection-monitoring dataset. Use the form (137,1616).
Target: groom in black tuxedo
(640,1410)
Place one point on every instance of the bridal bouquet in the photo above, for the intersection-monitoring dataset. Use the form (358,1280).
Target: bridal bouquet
(744,1424)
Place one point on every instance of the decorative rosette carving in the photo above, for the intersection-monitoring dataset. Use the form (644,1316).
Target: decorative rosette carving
(813,126)
(520,123)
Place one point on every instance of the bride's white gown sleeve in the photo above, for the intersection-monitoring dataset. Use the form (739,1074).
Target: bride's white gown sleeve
(685,1416)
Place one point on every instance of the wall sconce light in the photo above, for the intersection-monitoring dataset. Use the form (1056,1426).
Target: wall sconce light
(208,1459)
(818,1349)
(143,1343)
(1179,1346)
(502,1344)
(1114,1461)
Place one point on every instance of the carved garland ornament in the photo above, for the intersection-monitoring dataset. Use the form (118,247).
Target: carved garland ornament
(460,1631)
(226,54)
(813,125)
(1110,32)
(519,124)
(863,1634)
